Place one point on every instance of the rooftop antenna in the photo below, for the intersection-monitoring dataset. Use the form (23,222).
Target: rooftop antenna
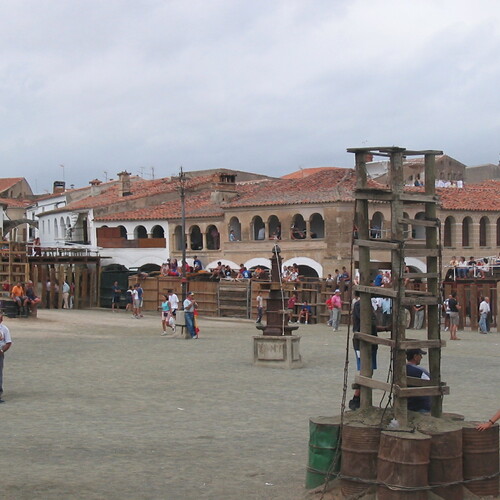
(62,166)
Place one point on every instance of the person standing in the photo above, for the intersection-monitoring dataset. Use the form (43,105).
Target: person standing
(189,306)
(140,296)
(336,312)
(484,311)
(5,343)
(260,308)
(419,316)
(174,302)
(115,302)
(454,315)
(135,301)
(165,313)
(65,294)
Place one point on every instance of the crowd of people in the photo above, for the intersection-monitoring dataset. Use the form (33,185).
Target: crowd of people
(471,268)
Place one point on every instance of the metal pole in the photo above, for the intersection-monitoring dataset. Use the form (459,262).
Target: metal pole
(182,189)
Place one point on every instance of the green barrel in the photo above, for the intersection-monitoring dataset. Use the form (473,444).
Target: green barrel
(324,440)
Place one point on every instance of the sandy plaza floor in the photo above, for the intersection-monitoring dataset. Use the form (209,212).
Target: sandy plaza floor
(100,406)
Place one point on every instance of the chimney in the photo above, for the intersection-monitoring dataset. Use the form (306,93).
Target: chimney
(59,187)
(94,190)
(224,187)
(125,189)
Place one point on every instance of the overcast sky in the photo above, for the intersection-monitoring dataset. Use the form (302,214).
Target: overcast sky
(265,86)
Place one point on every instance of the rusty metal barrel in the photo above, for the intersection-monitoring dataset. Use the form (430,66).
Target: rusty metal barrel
(445,465)
(324,452)
(403,465)
(480,449)
(360,445)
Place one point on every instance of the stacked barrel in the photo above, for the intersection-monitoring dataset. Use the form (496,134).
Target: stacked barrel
(405,465)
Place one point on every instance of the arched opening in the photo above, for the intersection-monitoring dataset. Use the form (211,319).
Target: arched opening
(213,238)
(195,238)
(62,225)
(449,230)
(158,232)
(298,229)
(235,226)
(149,268)
(258,228)
(419,231)
(317,225)
(56,229)
(483,231)
(274,225)
(123,232)
(466,231)
(140,232)
(377,225)
(307,272)
(178,238)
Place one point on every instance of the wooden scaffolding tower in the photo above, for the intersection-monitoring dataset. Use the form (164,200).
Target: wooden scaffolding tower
(401,387)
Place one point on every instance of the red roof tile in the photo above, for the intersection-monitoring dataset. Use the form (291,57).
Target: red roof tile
(7,182)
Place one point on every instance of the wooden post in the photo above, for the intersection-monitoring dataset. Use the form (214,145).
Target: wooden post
(60,279)
(474,309)
(84,296)
(433,311)
(77,297)
(52,293)
(397,257)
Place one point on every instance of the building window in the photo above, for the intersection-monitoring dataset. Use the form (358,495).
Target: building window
(213,238)
(195,238)
(466,231)
(298,229)
(235,226)
(317,225)
(274,225)
(449,232)
(158,232)
(483,231)
(140,232)
(377,225)
(258,228)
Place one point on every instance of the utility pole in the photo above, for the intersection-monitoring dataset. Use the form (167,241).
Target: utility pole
(182,191)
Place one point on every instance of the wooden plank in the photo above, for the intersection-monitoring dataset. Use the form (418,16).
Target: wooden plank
(372,194)
(376,290)
(422,344)
(419,222)
(410,392)
(420,382)
(372,383)
(418,293)
(417,198)
(421,275)
(377,244)
(424,301)
(372,339)
(420,252)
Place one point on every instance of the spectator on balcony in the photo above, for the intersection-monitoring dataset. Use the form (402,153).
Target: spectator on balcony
(232,236)
(218,271)
(296,233)
(472,267)
(197,265)
(174,268)
(462,268)
(37,250)
(165,268)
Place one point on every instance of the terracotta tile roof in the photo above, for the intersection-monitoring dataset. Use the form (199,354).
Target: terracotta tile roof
(305,172)
(14,202)
(7,182)
(197,205)
(323,186)
(140,188)
(484,197)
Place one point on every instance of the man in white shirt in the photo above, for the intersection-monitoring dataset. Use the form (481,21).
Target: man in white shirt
(484,311)
(5,343)
(174,302)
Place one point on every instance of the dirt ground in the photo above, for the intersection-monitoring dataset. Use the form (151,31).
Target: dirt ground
(100,406)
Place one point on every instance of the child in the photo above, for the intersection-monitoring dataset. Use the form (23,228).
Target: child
(165,313)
